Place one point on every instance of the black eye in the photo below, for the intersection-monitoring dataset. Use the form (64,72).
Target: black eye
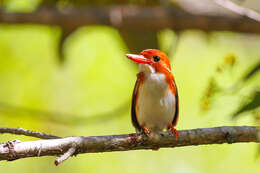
(156,58)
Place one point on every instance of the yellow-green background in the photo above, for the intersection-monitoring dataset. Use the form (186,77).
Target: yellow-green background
(97,79)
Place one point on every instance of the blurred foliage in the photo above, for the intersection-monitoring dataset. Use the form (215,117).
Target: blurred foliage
(211,90)
(62,118)
(214,90)
(168,41)
(214,85)
(253,71)
(252,105)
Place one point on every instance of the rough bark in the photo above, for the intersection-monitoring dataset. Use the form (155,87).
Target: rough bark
(76,145)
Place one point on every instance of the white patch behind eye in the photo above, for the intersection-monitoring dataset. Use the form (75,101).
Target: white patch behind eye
(146,68)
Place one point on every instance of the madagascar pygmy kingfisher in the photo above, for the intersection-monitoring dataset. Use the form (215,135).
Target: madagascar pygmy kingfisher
(155,104)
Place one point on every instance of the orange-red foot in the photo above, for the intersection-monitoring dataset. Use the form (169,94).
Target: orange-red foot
(173,130)
(146,130)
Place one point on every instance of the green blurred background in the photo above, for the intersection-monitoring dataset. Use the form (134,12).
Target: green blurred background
(90,94)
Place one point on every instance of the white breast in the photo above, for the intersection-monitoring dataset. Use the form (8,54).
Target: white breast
(156,104)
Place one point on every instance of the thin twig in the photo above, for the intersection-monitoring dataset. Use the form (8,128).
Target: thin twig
(93,144)
(239,10)
(65,156)
(21,131)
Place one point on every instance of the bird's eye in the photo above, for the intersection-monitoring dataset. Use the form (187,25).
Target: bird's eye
(156,58)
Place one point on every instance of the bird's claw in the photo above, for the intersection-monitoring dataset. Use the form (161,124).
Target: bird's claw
(146,131)
(175,131)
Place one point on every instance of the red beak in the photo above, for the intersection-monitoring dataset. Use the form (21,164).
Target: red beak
(138,58)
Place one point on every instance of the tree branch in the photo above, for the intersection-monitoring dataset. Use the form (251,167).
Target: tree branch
(20,131)
(239,10)
(132,18)
(76,145)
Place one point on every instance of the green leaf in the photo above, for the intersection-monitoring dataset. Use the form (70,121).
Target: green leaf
(252,71)
(251,105)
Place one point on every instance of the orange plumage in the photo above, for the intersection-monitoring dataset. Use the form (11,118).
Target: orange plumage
(155,102)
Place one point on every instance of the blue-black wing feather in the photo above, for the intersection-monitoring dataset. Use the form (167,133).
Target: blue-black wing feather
(133,110)
(176,114)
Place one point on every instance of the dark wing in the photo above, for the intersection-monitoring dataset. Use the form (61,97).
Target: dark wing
(133,111)
(176,115)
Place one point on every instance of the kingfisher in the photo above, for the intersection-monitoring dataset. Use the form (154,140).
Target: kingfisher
(155,102)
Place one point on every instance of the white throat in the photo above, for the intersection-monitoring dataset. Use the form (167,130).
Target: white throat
(146,68)
(155,81)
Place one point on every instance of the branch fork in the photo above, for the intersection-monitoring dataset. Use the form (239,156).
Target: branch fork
(66,155)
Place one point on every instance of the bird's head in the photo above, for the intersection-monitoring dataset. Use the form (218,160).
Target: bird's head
(152,61)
